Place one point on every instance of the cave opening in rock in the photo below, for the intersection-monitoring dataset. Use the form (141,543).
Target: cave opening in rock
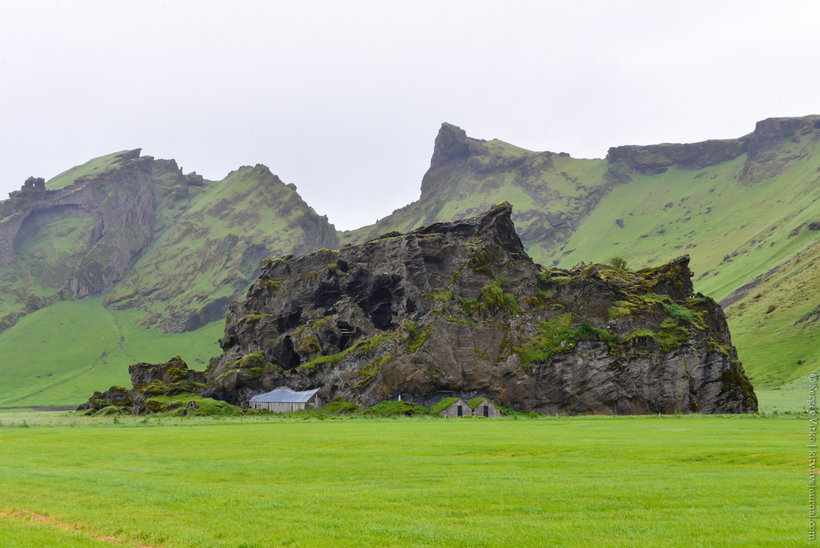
(289,321)
(288,357)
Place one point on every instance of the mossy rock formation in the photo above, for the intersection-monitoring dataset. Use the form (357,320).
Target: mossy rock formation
(157,388)
(460,310)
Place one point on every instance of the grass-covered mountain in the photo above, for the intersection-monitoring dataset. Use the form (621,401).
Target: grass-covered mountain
(126,258)
(746,210)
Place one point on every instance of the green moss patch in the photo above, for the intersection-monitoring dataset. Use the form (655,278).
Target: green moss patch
(396,408)
(364,347)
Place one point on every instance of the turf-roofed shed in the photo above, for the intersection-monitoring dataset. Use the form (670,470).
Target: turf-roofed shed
(452,407)
(482,407)
(285,400)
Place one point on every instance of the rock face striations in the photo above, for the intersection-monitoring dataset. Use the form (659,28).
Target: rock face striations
(459,309)
(76,241)
(171,247)
(655,159)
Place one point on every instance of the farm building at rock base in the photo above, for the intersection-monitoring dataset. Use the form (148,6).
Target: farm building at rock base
(453,408)
(285,400)
(482,407)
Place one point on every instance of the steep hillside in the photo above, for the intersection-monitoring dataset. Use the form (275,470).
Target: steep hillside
(128,243)
(551,192)
(74,240)
(53,356)
(211,251)
(739,207)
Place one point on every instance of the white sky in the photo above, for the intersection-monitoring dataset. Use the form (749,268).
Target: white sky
(344,99)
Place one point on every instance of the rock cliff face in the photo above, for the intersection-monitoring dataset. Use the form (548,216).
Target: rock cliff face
(119,201)
(210,251)
(459,309)
(73,242)
(655,159)
(173,246)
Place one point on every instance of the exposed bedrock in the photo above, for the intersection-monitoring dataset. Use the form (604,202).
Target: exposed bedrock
(459,309)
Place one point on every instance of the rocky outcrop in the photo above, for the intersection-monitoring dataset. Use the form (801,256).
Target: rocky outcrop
(763,161)
(459,309)
(654,159)
(467,175)
(149,381)
(769,133)
(120,202)
(77,241)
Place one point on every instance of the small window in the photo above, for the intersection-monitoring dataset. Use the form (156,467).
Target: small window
(459,411)
(486,411)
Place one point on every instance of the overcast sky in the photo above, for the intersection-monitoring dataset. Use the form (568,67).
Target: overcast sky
(344,99)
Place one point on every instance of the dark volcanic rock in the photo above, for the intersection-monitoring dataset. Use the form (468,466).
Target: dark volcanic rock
(768,135)
(654,159)
(149,380)
(459,309)
(770,132)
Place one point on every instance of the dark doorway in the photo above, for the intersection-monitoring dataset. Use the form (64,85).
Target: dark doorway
(459,410)
(486,411)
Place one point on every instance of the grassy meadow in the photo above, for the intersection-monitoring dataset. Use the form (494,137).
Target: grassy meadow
(268,481)
(52,361)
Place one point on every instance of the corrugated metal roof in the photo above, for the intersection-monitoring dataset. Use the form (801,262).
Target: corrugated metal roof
(283,394)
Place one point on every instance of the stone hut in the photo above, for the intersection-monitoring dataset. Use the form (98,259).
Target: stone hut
(482,407)
(285,400)
(453,408)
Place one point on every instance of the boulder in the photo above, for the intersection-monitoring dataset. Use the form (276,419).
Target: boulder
(169,378)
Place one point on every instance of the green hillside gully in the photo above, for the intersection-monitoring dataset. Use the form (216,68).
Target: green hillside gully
(676,481)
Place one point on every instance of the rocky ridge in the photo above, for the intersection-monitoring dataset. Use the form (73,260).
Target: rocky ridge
(210,250)
(468,175)
(77,241)
(655,159)
(142,233)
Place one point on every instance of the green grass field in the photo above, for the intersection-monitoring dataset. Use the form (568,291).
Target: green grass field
(264,481)
(53,362)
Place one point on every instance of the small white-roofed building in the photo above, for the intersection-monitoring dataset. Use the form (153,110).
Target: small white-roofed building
(285,400)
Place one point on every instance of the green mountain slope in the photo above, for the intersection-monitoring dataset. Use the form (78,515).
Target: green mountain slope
(551,192)
(54,355)
(126,259)
(75,240)
(740,208)
(211,251)
(130,249)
